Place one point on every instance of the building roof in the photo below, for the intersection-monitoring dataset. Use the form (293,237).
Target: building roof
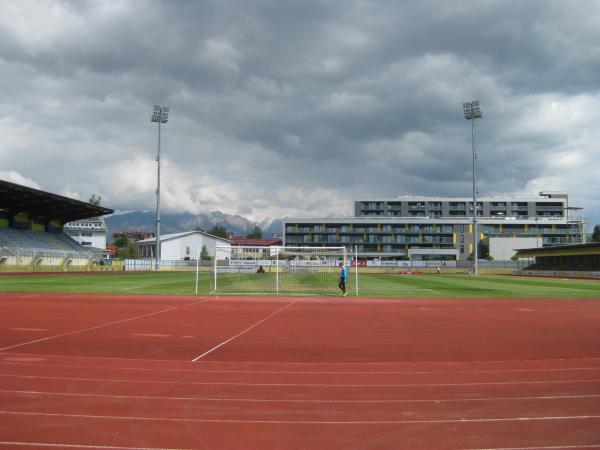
(592,248)
(168,237)
(242,240)
(16,199)
(485,220)
(543,197)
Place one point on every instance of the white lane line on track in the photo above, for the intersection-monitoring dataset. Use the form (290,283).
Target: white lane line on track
(303,422)
(12,361)
(266,400)
(102,326)
(551,447)
(28,329)
(224,383)
(197,358)
(151,335)
(330,363)
(62,445)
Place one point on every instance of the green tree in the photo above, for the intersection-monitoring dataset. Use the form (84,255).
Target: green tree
(95,200)
(256,233)
(122,241)
(220,231)
(204,256)
(129,251)
(596,234)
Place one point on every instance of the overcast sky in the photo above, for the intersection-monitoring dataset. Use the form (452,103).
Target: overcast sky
(295,108)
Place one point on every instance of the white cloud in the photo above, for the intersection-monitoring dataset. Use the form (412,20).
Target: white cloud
(17,178)
(280,109)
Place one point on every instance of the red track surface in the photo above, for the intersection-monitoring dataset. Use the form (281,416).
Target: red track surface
(287,373)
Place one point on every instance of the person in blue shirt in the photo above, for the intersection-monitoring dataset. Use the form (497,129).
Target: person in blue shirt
(343,278)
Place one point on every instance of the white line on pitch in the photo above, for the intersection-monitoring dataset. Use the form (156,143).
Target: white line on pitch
(51,445)
(281,400)
(242,332)
(224,383)
(304,422)
(134,287)
(101,326)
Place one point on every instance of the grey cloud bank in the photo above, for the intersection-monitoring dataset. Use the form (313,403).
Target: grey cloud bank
(285,108)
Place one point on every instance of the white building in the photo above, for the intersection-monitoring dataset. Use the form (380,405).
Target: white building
(90,233)
(179,246)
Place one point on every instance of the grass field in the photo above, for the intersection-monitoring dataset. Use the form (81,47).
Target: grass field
(370,285)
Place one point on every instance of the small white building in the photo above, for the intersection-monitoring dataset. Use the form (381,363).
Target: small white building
(179,246)
(88,232)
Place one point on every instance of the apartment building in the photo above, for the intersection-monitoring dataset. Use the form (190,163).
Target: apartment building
(421,228)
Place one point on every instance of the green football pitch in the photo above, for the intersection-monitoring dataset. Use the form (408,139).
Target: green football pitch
(370,285)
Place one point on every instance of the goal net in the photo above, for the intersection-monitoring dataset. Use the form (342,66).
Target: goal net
(277,270)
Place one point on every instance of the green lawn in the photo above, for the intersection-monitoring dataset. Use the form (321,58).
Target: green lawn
(370,285)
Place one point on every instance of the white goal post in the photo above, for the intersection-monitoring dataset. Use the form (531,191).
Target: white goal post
(277,270)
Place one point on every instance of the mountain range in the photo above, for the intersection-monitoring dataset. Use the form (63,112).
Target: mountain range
(178,222)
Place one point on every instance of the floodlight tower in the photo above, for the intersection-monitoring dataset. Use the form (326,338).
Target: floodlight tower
(473,112)
(160,115)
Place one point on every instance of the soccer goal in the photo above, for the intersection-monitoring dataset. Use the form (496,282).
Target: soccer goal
(277,270)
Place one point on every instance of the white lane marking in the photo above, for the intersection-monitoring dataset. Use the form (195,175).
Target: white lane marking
(224,383)
(303,422)
(101,326)
(281,400)
(32,361)
(62,445)
(28,329)
(551,447)
(197,358)
(151,334)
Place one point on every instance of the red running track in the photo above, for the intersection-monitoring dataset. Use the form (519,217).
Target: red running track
(149,372)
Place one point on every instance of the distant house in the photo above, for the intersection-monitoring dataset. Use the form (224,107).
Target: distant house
(178,246)
(237,241)
(90,233)
(133,235)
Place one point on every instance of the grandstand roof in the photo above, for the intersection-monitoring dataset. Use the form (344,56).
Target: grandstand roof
(15,199)
(592,248)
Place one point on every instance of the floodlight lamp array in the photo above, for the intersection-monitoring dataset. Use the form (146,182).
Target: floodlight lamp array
(472,110)
(160,114)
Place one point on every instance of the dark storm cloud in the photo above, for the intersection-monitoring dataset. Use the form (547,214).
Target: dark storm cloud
(285,107)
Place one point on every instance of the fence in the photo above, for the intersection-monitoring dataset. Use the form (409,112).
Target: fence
(147,264)
(24,261)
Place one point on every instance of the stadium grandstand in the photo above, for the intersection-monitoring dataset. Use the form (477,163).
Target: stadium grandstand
(32,237)
(570,261)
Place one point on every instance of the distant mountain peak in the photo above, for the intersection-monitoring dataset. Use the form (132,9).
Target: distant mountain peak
(178,222)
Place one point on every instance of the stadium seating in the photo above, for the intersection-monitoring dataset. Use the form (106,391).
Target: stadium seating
(39,243)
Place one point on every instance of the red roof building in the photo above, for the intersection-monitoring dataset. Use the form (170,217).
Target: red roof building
(243,240)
